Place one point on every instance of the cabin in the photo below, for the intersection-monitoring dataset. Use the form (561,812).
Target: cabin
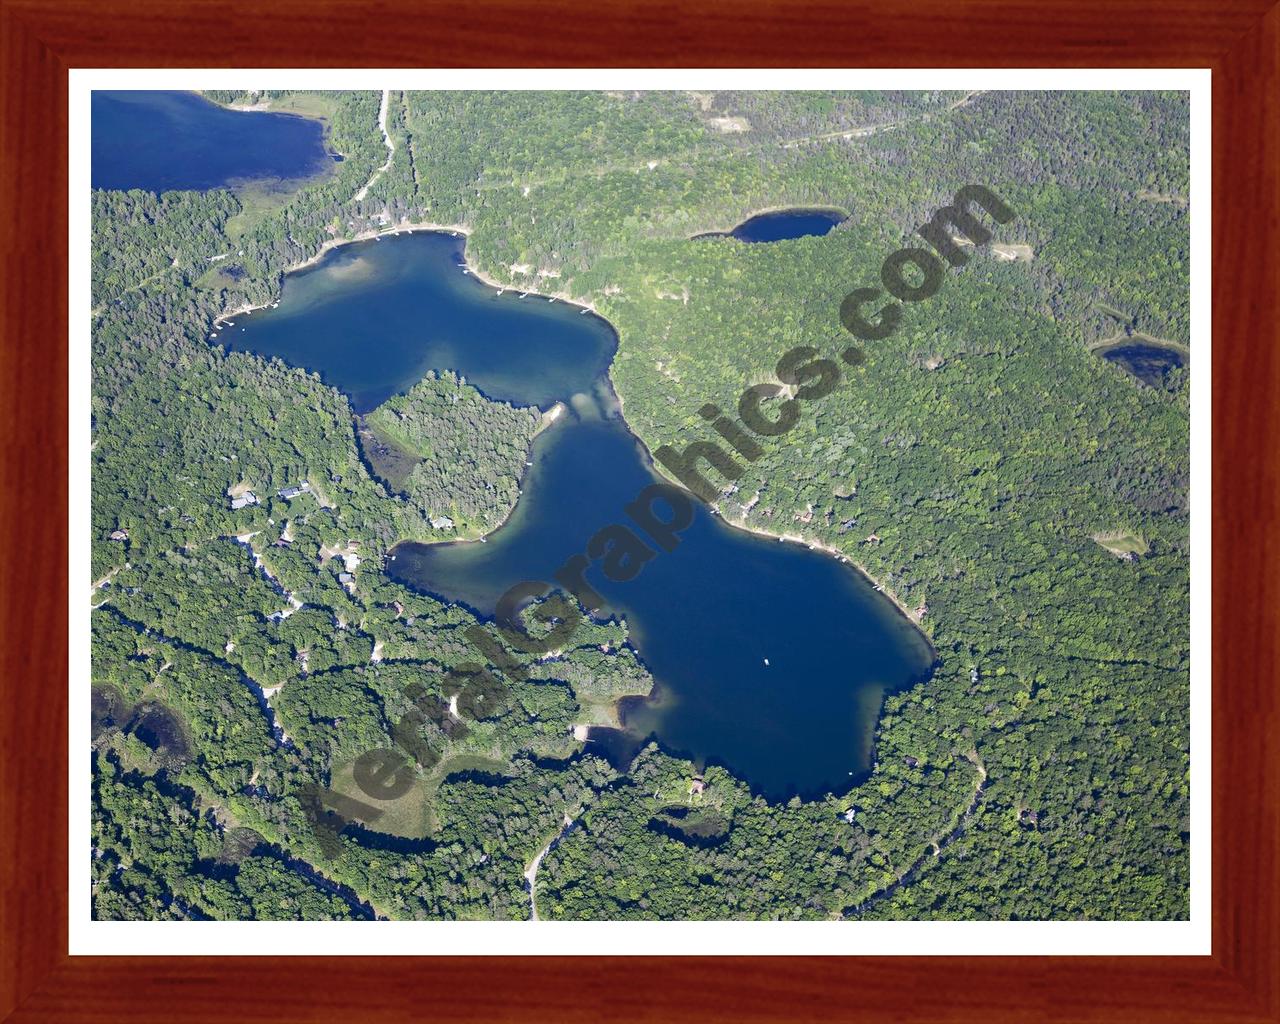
(973,674)
(120,535)
(345,578)
(441,523)
(697,786)
(244,500)
(848,815)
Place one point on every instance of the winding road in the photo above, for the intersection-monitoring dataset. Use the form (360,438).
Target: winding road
(391,148)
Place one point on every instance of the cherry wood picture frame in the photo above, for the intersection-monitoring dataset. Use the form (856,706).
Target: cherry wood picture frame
(41,39)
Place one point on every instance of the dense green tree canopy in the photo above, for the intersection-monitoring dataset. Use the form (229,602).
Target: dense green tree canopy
(1027,497)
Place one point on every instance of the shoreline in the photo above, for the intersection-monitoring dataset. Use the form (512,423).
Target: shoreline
(549,419)
(407,228)
(840,556)
(266,107)
(551,415)
(795,538)
(1104,345)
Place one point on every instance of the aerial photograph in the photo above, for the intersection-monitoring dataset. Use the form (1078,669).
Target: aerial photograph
(639,505)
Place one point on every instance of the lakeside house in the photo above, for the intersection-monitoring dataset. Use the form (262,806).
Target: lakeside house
(441,523)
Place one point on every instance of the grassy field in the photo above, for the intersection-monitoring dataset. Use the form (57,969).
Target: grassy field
(1123,543)
(413,815)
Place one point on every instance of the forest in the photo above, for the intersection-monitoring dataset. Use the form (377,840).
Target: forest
(464,454)
(982,465)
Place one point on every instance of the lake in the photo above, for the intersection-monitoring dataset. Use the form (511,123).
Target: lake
(373,317)
(780,225)
(705,617)
(1149,363)
(165,141)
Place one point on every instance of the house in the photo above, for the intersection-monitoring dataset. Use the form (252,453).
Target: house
(345,578)
(289,493)
(848,815)
(119,534)
(244,500)
(973,674)
(441,523)
(697,786)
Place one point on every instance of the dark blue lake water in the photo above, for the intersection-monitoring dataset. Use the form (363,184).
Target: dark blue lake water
(1149,363)
(373,317)
(165,141)
(781,225)
(704,617)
